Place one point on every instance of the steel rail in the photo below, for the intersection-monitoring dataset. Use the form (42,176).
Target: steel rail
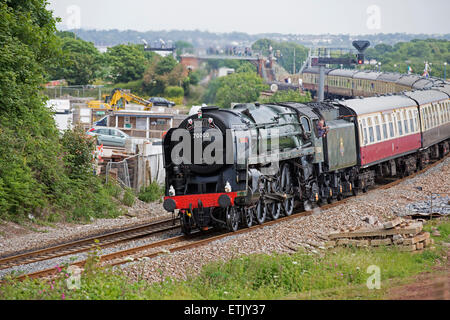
(126,256)
(82,245)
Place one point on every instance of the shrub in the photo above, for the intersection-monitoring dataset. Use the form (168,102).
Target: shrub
(174,92)
(78,148)
(129,198)
(151,193)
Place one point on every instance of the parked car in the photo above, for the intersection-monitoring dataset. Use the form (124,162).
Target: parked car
(157,101)
(109,136)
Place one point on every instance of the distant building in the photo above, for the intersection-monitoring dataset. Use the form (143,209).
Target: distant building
(222,72)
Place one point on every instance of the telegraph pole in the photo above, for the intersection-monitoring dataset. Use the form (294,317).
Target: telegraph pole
(294,62)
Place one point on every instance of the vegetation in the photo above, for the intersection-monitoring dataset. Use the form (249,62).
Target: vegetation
(42,175)
(288,96)
(127,62)
(80,63)
(129,198)
(240,87)
(161,73)
(286,53)
(338,274)
(152,193)
(199,38)
(397,58)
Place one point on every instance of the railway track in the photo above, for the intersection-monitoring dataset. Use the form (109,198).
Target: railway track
(86,244)
(198,239)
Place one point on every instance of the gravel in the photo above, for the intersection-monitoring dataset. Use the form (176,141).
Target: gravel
(31,236)
(53,263)
(309,232)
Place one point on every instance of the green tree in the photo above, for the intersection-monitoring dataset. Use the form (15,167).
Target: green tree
(288,96)
(163,72)
(80,62)
(35,167)
(127,62)
(286,50)
(413,54)
(237,87)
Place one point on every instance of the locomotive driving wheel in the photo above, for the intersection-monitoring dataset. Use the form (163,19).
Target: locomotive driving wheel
(287,189)
(261,212)
(274,207)
(232,219)
(247,216)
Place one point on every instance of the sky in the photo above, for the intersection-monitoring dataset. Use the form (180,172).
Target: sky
(257,16)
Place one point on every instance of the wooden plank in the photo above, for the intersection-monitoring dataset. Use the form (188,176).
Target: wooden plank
(420,237)
(381,242)
(363,243)
(412,229)
(330,244)
(391,224)
(419,246)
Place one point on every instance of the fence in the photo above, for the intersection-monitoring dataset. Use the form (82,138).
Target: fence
(76,91)
(138,171)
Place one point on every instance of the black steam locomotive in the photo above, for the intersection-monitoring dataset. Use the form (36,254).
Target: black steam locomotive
(226,168)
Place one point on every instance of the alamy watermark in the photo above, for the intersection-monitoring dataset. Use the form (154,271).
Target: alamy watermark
(73,18)
(374,280)
(208,147)
(374,17)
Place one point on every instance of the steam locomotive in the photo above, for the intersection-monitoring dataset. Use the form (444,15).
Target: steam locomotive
(231,168)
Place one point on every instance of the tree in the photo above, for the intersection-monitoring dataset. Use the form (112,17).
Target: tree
(127,62)
(288,96)
(237,87)
(163,72)
(286,49)
(35,174)
(80,62)
(28,136)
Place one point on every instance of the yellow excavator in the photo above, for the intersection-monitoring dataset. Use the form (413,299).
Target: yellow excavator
(118,99)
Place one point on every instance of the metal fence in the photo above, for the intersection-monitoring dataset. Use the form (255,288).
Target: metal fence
(76,91)
(137,172)
(120,171)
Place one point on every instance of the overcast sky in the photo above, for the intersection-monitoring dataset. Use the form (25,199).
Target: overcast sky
(261,16)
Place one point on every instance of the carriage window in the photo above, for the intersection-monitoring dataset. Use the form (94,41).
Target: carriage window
(415,119)
(391,125)
(371,136)
(378,129)
(361,133)
(429,120)
(385,132)
(433,116)
(411,121)
(399,124)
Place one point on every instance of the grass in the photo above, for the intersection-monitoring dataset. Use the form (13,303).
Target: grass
(152,193)
(128,198)
(340,273)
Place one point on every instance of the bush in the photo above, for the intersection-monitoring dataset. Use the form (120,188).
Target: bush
(78,148)
(288,96)
(129,198)
(151,193)
(174,92)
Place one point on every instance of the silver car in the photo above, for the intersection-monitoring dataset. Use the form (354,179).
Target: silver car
(109,136)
